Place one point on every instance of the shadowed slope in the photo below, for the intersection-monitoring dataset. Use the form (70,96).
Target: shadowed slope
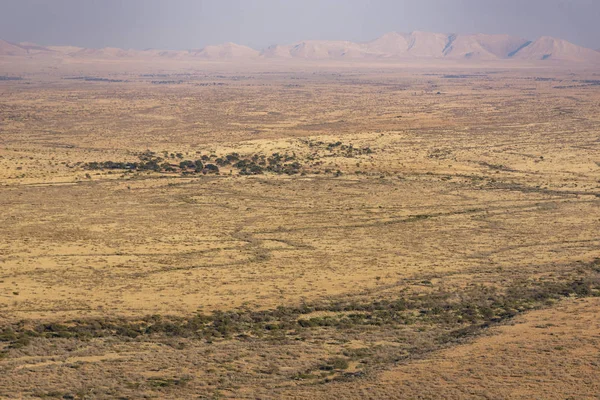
(548,47)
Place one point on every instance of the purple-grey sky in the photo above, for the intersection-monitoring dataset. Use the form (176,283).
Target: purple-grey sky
(184,24)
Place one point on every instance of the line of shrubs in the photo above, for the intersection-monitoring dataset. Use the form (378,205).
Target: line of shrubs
(256,164)
(474,307)
(149,161)
(207,164)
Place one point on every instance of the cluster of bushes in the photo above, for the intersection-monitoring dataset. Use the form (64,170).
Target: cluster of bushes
(340,149)
(277,163)
(150,161)
(253,165)
(256,164)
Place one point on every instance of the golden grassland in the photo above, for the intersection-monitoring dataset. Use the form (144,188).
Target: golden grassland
(404,233)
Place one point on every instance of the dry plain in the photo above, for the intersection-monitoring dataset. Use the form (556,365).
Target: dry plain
(372,232)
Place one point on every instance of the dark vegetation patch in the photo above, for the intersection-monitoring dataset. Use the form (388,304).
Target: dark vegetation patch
(150,161)
(167,82)
(496,167)
(94,79)
(342,150)
(254,164)
(440,154)
(276,163)
(463,76)
(10,78)
(568,87)
(210,84)
(168,382)
(459,313)
(590,82)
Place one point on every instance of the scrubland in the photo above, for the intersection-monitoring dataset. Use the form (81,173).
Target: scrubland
(369,232)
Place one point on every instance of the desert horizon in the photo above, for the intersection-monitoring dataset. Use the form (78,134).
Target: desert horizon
(392,46)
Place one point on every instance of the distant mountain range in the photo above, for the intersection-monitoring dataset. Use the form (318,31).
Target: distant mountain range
(391,46)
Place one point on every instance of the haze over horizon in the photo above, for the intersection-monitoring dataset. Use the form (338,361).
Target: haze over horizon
(185,24)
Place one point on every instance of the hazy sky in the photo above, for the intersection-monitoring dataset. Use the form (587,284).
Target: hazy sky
(185,24)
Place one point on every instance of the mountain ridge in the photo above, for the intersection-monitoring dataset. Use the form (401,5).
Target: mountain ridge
(427,45)
(417,45)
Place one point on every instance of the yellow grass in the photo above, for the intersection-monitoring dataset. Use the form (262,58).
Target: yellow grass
(486,179)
